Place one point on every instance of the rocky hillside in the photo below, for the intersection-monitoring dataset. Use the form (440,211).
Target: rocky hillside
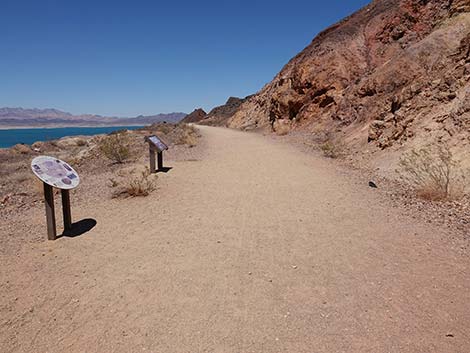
(194,117)
(395,71)
(221,114)
(54,117)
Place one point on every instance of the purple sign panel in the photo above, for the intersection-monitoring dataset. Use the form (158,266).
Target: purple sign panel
(159,144)
(55,172)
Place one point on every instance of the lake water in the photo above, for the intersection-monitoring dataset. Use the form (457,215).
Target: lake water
(11,137)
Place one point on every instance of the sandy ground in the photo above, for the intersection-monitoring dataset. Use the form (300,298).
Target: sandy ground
(254,248)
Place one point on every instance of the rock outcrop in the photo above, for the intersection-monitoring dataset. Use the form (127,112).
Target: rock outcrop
(196,116)
(393,71)
(220,115)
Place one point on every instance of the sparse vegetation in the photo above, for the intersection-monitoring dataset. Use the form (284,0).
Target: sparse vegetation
(180,134)
(282,129)
(331,149)
(90,156)
(113,182)
(186,135)
(141,185)
(433,172)
(22,149)
(81,142)
(116,147)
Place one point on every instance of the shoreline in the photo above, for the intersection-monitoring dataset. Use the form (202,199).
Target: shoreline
(43,134)
(22,127)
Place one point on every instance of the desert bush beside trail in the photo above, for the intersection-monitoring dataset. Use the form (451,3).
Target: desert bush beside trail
(331,149)
(81,142)
(22,149)
(186,135)
(135,185)
(163,128)
(116,147)
(177,134)
(433,172)
(141,185)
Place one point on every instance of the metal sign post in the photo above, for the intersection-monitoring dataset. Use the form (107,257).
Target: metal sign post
(152,159)
(50,212)
(55,173)
(160,160)
(156,145)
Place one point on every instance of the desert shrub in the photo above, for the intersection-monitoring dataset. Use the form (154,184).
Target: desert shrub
(163,128)
(81,142)
(186,135)
(141,185)
(433,172)
(332,149)
(22,149)
(116,147)
(113,182)
(118,132)
(282,129)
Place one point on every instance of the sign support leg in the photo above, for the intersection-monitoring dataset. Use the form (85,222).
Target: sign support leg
(152,160)
(66,209)
(160,160)
(50,213)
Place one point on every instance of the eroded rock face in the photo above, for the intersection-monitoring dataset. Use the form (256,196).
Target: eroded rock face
(220,115)
(196,116)
(391,71)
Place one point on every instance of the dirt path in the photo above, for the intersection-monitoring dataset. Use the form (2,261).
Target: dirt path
(255,248)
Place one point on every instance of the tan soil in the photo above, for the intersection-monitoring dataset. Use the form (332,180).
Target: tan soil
(253,248)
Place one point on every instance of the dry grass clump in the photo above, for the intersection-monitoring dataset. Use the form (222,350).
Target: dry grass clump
(332,149)
(177,134)
(330,145)
(433,172)
(186,135)
(21,148)
(81,142)
(116,146)
(135,185)
(141,185)
(281,129)
(163,128)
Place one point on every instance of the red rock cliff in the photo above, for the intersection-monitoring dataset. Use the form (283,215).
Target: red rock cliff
(392,71)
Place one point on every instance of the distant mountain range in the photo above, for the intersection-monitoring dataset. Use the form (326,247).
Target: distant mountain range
(20,117)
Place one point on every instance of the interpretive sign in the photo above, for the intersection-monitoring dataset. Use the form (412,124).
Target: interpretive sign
(159,144)
(55,173)
(156,144)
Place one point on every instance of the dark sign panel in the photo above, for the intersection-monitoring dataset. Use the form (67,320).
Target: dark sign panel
(159,144)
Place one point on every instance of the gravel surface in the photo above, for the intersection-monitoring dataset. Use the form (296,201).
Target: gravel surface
(249,247)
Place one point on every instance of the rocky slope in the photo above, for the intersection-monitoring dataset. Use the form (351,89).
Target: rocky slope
(396,71)
(194,117)
(221,114)
(51,117)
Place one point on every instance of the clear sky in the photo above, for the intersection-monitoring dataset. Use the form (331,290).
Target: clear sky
(127,58)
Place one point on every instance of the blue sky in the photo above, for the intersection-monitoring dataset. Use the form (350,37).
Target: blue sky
(127,58)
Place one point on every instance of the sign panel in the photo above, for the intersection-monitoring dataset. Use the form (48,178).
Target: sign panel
(159,144)
(55,172)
